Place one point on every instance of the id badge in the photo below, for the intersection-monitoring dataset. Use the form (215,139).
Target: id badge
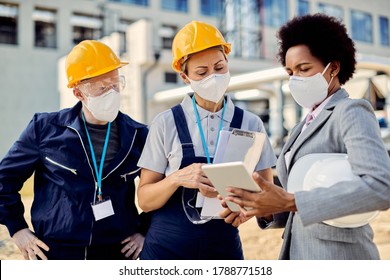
(102,209)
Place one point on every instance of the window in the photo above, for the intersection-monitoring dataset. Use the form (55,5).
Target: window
(122,28)
(170,77)
(331,10)
(361,23)
(211,7)
(275,12)
(45,28)
(384,31)
(303,7)
(8,24)
(243,28)
(167,33)
(86,27)
(175,5)
(136,2)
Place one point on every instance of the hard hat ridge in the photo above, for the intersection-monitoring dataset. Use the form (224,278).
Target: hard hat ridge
(194,37)
(89,59)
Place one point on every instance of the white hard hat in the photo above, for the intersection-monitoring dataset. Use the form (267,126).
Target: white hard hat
(324,170)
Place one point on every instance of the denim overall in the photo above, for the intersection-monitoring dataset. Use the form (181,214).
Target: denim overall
(172,236)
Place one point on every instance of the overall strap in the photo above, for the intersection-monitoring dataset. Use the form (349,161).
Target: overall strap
(237,118)
(182,130)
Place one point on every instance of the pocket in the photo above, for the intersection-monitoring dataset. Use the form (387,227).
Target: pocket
(130,175)
(61,165)
(326,232)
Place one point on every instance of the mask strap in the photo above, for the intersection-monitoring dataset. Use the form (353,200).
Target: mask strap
(326,68)
(331,76)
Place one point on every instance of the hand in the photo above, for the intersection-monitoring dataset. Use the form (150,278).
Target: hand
(230,217)
(271,200)
(193,177)
(133,245)
(29,245)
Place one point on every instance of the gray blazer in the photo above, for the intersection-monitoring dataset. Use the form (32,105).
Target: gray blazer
(344,126)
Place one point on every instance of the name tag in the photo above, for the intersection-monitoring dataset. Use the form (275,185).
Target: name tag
(102,209)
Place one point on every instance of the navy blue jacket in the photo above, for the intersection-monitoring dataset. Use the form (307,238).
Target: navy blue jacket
(53,147)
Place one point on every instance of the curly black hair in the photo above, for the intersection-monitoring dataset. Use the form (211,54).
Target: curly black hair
(325,36)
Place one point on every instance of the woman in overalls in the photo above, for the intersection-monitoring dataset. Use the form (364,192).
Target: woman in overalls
(183,138)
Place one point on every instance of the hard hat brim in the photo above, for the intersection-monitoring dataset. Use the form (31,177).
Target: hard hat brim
(98,73)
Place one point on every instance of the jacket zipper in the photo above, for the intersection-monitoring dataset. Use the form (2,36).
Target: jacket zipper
(124,176)
(74,171)
(90,166)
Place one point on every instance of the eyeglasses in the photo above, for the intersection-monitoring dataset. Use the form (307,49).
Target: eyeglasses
(99,86)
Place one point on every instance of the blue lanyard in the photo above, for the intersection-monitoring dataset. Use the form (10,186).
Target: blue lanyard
(206,150)
(99,172)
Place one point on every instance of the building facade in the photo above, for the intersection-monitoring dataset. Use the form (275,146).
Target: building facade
(35,36)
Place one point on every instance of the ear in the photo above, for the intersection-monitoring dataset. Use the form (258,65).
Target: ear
(334,68)
(78,94)
(184,78)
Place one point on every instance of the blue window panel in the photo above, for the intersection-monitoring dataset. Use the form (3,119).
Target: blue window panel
(275,12)
(211,7)
(175,5)
(136,2)
(331,10)
(361,24)
(303,7)
(384,31)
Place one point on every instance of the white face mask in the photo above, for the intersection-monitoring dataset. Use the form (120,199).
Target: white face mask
(309,91)
(211,88)
(104,107)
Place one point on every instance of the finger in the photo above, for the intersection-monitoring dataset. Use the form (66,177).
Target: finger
(31,254)
(236,222)
(25,254)
(41,244)
(127,247)
(128,239)
(136,254)
(224,213)
(207,188)
(41,255)
(230,219)
(263,184)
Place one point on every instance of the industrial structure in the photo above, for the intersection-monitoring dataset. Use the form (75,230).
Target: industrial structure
(36,35)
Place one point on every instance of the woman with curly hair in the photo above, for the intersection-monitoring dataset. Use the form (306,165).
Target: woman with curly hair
(319,56)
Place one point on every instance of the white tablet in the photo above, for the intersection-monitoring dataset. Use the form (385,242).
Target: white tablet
(230,174)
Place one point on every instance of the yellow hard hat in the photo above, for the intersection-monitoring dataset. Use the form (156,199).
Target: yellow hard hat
(89,59)
(194,37)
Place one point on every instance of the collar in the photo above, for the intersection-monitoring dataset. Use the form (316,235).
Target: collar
(203,113)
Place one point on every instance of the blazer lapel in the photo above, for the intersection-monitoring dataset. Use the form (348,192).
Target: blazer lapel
(300,138)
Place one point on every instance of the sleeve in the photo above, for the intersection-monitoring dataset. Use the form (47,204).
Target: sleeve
(15,168)
(359,131)
(153,156)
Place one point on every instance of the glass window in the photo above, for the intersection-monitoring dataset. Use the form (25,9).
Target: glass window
(384,31)
(175,5)
(331,10)
(136,2)
(86,27)
(170,77)
(8,24)
(122,30)
(361,23)
(167,33)
(45,28)
(211,7)
(275,12)
(303,7)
